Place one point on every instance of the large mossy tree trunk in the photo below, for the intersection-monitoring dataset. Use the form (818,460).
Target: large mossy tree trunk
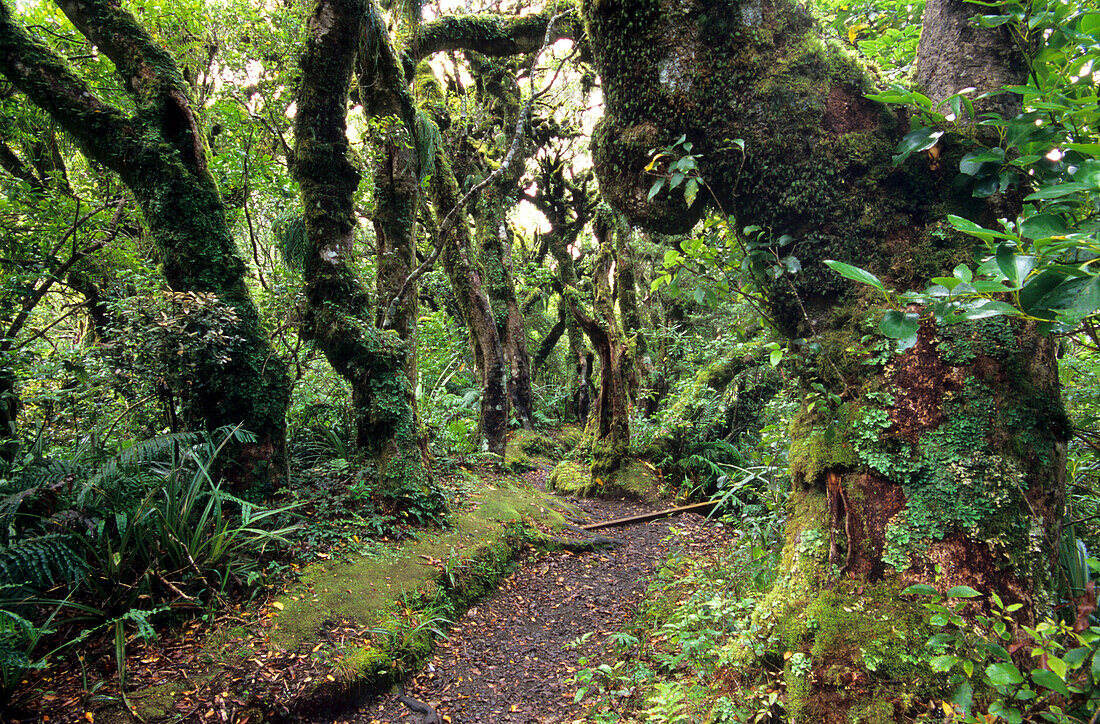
(499,95)
(495,254)
(384,94)
(372,360)
(159,152)
(941,465)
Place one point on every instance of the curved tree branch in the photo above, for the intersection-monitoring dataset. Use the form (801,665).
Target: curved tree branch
(496,35)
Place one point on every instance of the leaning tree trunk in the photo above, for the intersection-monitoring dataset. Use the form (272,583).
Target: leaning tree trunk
(941,465)
(611,425)
(468,283)
(372,360)
(160,155)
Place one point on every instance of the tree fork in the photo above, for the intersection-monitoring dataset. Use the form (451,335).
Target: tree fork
(372,360)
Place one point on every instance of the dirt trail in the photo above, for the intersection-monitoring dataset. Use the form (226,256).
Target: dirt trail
(506,660)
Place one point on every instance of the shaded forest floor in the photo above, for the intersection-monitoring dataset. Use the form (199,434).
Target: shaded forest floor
(508,659)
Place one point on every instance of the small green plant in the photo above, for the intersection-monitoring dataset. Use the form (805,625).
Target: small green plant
(1062,684)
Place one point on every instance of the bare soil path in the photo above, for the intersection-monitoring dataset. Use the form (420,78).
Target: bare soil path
(506,661)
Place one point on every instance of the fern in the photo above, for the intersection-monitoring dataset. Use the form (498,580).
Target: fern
(40,563)
(291,241)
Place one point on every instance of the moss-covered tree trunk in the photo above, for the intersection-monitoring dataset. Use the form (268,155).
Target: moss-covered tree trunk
(610,427)
(384,94)
(643,376)
(943,464)
(494,253)
(467,281)
(372,360)
(159,153)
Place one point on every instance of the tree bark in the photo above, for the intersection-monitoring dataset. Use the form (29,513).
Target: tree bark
(159,154)
(372,360)
(941,465)
(468,283)
(384,93)
(611,426)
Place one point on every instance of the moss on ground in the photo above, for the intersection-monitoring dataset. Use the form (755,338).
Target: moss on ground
(394,599)
(570,478)
(528,449)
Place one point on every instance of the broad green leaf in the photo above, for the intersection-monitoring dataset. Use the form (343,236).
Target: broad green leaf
(961,592)
(948,283)
(1043,226)
(1014,266)
(962,272)
(691,189)
(1049,680)
(944,663)
(1057,192)
(1034,295)
(963,696)
(1004,674)
(1092,149)
(656,188)
(1058,666)
(855,273)
(969,227)
(1088,300)
(919,589)
(920,139)
(775,357)
(899,325)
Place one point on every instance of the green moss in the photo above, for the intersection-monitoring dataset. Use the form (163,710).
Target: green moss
(528,449)
(868,635)
(817,446)
(569,478)
(634,477)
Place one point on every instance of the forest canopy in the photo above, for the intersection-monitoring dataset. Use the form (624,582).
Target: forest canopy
(274,280)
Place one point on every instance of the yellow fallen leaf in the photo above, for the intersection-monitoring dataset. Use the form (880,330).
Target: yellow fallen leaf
(277,605)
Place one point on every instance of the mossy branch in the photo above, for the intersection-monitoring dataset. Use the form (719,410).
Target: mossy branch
(46,78)
(452,216)
(497,35)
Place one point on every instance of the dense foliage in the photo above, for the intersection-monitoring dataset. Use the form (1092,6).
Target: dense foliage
(121,512)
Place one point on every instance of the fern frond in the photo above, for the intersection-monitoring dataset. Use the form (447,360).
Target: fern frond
(291,241)
(154,449)
(41,562)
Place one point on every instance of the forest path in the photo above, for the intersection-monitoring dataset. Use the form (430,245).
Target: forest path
(506,661)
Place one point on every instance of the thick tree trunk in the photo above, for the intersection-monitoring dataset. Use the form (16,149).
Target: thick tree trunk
(495,255)
(468,283)
(644,379)
(160,155)
(942,465)
(373,361)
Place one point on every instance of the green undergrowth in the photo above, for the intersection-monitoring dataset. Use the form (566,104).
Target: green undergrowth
(368,619)
(673,663)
